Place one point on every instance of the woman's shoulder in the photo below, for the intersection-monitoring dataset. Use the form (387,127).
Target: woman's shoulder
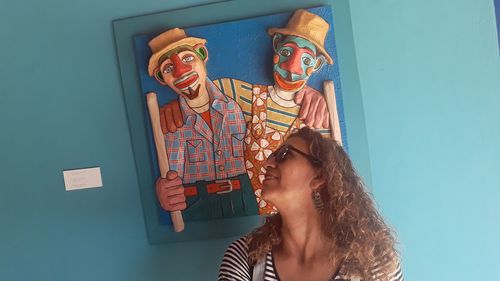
(392,269)
(238,248)
(234,265)
(387,268)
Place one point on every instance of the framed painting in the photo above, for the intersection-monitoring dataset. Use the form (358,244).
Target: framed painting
(210,103)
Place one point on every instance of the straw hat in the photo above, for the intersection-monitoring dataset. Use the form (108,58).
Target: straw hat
(167,41)
(308,26)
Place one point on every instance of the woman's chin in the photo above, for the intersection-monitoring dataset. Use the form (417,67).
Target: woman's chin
(269,195)
(265,194)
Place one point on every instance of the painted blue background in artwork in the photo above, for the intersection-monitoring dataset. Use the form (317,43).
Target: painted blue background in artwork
(238,49)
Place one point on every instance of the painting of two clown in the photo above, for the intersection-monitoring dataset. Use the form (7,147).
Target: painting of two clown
(218,126)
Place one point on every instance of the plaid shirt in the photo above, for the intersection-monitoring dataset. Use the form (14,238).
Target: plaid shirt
(197,153)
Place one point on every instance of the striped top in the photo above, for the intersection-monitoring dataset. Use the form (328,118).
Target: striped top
(235,267)
(279,117)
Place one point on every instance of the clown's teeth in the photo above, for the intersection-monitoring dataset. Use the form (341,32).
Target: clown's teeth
(184,78)
(187,88)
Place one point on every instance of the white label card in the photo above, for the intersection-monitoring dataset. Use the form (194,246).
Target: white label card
(82,178)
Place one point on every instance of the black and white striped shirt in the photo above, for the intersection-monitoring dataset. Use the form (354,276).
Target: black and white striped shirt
(235,267)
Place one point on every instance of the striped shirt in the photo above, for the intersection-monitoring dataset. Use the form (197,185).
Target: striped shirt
(278,117)
(235,267)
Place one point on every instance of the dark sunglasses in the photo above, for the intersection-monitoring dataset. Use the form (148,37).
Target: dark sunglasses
(281,153)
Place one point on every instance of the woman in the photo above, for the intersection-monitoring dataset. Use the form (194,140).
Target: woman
(327,227)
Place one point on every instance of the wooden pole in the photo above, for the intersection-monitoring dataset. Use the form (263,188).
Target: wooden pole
(331,102)
(161,152)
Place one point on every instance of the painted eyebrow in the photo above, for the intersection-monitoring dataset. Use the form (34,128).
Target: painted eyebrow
(306,49)
(168,61)
(177,50)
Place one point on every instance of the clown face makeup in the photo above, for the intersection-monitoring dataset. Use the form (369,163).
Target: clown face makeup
(185,73)
(295,59)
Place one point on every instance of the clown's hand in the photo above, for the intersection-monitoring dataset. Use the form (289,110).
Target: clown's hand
(313,109)
(170,192)
(171,117)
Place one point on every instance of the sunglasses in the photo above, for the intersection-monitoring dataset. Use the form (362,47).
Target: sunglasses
(281,153)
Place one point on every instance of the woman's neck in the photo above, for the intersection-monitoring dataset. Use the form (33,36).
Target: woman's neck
(302,235)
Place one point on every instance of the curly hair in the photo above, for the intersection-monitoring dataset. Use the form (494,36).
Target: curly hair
(360,237)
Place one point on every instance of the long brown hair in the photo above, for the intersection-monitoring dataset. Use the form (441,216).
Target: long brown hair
(360,237)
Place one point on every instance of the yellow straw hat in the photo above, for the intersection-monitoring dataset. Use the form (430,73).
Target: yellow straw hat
(308,26)
(167,41)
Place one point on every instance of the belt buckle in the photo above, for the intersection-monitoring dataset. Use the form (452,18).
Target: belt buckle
(228,187)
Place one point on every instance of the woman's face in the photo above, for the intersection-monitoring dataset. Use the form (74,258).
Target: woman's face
(291,181)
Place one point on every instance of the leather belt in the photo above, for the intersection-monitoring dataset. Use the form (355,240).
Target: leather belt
(218,187)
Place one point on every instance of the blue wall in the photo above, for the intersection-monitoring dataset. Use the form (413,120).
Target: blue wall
(430,82)
(428,93)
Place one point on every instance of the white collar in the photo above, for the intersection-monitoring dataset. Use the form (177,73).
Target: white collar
(283,98)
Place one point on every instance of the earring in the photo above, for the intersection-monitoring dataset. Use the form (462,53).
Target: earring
(318,202)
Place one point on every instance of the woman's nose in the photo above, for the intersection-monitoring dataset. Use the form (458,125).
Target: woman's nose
(270,162)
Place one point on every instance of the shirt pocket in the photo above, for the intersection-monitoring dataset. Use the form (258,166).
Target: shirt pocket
(237,144)
(196,150)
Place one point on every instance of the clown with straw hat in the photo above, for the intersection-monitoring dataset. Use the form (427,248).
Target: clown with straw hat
(203,172)
(308,26)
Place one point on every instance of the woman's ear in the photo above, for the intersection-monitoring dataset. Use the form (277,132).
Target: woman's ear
(318,182)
